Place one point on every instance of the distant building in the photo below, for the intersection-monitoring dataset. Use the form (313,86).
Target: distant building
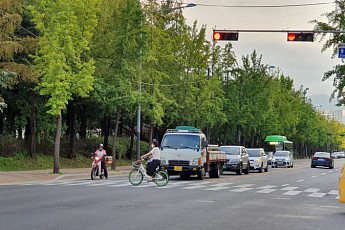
(338,115)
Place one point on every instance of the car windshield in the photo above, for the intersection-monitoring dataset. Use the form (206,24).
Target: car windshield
(230,150)
(321,154)
(281,154)
(254,152)
(181,141)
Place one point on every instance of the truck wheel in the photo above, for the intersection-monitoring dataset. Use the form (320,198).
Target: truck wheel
(201,174)
(221,169)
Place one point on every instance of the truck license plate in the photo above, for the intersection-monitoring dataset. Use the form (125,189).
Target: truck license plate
(177,168)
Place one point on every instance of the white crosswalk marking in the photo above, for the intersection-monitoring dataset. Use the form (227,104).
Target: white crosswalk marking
(244,185)
(333,192)
(292,193)
(241,189)
(289,188)
(212,185)
(313,190)
(267,187)
(268,190)
(317,194)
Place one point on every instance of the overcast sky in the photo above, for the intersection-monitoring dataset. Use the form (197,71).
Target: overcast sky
(302,61)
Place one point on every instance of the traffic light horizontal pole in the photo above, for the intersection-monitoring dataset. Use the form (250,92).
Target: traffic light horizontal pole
(281,31)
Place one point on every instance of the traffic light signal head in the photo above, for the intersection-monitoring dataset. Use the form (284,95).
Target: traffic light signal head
(225,36)
(300,37)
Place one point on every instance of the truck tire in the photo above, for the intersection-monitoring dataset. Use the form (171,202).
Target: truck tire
(201,174)
(221,169)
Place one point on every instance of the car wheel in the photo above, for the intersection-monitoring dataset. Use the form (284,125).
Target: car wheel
(239,171)
(313,166)
(260,170)
(246,171)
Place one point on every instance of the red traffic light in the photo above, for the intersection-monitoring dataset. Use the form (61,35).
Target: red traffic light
(225,36)
(300,37)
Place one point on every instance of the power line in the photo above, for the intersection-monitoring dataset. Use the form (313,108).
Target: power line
(265,6)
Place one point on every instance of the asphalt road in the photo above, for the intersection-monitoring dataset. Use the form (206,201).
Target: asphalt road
(284,199)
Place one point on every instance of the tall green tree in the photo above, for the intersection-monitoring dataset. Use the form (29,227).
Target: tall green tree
(336,21)
(66,29)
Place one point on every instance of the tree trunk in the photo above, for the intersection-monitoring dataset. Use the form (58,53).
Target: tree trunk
(57,145)
(106,130)
(1,123)
(71,128)
(113,166)
(33,128)
(82,131)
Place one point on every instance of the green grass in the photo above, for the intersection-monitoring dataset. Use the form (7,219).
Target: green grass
(22,162)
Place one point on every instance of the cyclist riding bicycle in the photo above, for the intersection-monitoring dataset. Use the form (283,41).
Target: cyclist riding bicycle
(154,159)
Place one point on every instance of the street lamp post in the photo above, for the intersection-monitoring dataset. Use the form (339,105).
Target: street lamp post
(139,107)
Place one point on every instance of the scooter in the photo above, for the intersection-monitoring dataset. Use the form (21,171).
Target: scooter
(97,168)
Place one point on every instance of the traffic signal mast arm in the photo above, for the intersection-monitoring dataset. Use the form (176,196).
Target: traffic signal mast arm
(292,35)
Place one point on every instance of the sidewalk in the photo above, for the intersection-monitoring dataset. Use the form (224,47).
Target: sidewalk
(20,177)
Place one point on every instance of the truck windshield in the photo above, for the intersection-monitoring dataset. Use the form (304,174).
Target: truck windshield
(181,141)
(230,150)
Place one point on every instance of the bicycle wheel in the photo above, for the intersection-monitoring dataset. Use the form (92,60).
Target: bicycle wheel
(135,177)
(161,178)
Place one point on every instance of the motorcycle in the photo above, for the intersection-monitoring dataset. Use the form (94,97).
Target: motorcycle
(97,168)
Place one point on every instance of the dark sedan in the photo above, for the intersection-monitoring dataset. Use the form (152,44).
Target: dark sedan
(322,159)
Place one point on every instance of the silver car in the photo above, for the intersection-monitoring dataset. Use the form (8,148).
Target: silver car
(282,158)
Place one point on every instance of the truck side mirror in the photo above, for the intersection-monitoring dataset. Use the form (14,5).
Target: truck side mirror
(205,144)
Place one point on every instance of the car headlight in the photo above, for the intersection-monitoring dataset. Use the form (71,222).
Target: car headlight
(163,161)
(195,161)
(259,160)
(286,159)
(273,159)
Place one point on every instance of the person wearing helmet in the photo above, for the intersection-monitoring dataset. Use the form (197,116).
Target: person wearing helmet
(101,153)
(154,162)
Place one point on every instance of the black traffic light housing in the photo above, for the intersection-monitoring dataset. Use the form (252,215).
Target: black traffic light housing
(300,37)
(225,36)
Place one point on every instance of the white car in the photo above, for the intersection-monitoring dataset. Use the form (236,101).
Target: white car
(258,159)
(282,158)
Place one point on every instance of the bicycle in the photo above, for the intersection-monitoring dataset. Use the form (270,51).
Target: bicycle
(136,176)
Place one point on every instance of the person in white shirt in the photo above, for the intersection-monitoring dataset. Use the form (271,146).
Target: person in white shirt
(155,159)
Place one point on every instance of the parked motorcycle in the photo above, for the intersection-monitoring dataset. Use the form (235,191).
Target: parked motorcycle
(97,168)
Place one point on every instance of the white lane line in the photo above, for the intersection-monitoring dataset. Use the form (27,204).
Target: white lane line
(292,193)
(330,171)
(323,173)
(313,176)
(285,185)
(300,180)
(241,189)
(268,190)
(267,187)
(289,188)
(317,194)
(244,185)
(333,192)
(313,190)
(337,198)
